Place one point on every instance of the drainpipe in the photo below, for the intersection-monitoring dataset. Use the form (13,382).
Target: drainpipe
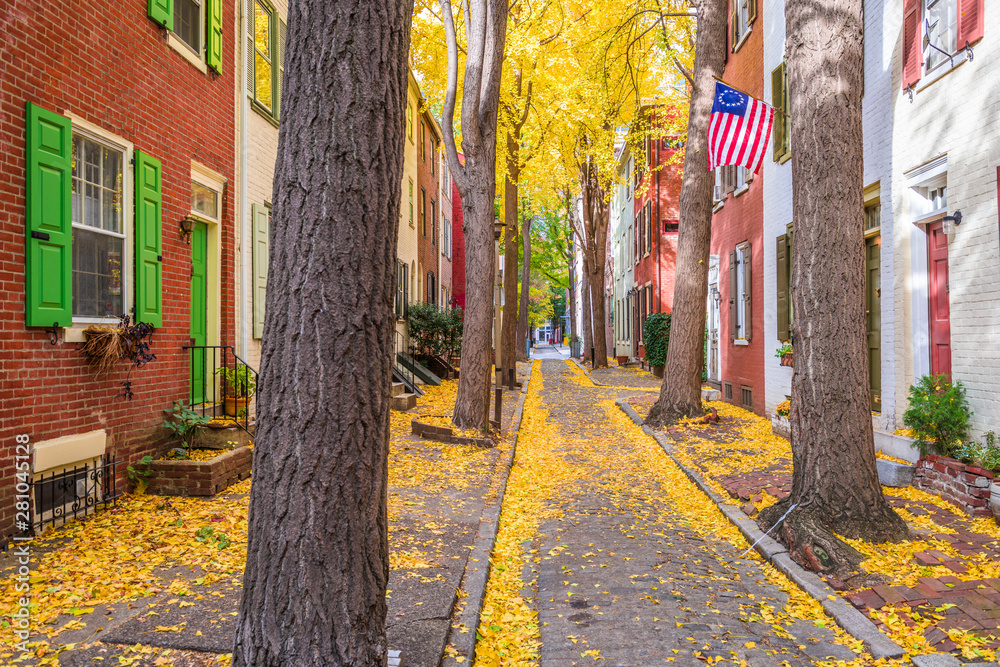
(240,84)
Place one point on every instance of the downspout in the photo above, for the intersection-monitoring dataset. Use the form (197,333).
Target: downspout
(243,184)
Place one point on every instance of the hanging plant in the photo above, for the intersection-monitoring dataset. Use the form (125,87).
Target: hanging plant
(107,345)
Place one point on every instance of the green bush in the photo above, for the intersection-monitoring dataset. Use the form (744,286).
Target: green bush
(982,454)
(939,414)
(434,331)
(656,338)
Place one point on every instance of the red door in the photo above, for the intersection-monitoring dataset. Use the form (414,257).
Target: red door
(937,244)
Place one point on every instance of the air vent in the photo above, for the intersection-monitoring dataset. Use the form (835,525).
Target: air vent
(727,390)
(746,397)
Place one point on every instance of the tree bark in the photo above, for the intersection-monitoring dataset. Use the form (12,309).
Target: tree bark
(586,315)
(522,316)
(317,555)
(680,392)
(572,276)
(486,31)
(835,487)
(595,233)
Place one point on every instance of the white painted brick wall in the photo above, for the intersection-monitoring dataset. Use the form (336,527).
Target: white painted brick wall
(957,115)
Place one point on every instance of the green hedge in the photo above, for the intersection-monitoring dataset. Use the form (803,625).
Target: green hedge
(656,338)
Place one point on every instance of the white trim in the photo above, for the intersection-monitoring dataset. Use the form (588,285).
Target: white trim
(741,342)
(743,38)
(181,47)
(743,188)
(212,180)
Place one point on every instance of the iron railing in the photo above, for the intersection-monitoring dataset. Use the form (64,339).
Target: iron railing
(211,395)
(400,371)
(73,493)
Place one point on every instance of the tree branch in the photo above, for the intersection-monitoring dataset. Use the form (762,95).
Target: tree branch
(448,114)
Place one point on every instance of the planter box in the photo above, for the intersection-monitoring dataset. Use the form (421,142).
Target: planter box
(898,475)
(781,426)
(447,435)
(896,446)
(198,478)
(964,486)
(786,359)
(657,371)
(222,437)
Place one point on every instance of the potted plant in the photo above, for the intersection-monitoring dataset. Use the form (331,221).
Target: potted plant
(125,340)
(784,353)
(239,385)
(656,339)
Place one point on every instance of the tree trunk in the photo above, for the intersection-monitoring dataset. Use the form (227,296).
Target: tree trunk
(571,258)
(522,316)
(586,316)
(317,555)
(595,232)
(835,487)
(486,31)
(680,392)
(508,333)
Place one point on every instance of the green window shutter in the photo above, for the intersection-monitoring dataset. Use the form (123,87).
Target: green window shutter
(782,257)
(148,240)
(748,292)
(778,102)
(49,250)
(251,73)
(162,12)
(280,69)
(213,38)
(261,217)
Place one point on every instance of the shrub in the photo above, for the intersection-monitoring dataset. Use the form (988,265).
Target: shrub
(434,331)
(982,454)
(784,409)
(656,338)
(939,414)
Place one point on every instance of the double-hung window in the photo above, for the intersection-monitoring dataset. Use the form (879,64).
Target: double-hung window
(741,16)
(265,57)
(98,228)
(739,294)
(194,29)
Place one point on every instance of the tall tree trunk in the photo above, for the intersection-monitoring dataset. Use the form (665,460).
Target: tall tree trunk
(317,555)
(486,23)
(595,233)
(573,333)
(587,314)
(680,392)
(835,482)
(508,332)
(522,316)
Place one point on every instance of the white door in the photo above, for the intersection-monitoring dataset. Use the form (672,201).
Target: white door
(713,333)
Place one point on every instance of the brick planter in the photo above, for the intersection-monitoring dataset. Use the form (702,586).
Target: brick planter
(965,486)
(445,434)
(199,478)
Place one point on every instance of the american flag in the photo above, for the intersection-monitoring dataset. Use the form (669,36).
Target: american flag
(739,129)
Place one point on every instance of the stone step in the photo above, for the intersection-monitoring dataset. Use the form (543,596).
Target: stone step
(404,402)
(709,394)
(398,388)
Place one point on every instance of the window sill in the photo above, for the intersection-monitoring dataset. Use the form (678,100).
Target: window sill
(941,70)
(743,39)
(741,342)
(718,205)
(186,52)
(741,190)
(263,112)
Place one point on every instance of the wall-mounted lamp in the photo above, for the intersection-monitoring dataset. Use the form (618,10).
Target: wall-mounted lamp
(187,227)
(950,222)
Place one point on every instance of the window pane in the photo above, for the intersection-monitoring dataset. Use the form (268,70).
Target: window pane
(262,30)
(187,23)
(204,200)
(97,185)
(941,17)
(262,73)
(97,274)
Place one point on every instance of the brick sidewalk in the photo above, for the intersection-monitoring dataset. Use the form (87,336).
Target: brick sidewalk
(952,604)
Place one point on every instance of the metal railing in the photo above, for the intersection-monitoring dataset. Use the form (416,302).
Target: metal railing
(400,371)
(212,395)
(73,493)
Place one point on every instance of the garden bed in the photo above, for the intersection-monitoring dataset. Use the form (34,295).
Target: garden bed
(187,477)
(964,486)
(446,434)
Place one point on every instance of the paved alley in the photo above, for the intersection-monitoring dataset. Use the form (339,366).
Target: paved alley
(630,565)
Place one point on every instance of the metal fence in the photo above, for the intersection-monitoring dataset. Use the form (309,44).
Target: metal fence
(73,493)
(210,393)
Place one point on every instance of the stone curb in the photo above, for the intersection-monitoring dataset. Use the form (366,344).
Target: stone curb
(477,572)
(583,367)
(847,617)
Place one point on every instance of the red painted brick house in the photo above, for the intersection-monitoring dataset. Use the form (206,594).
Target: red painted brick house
(656,211)
(457,250)
(117,124)
(736,288)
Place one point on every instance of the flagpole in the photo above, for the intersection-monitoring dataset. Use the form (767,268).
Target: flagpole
(776,110)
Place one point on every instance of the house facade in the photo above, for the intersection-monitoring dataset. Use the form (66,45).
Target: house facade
(428,210)
(621,217)
(446,233)
(407,245)
(736,339)
(118,198)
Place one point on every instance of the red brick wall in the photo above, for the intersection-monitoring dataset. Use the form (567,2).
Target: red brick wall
(457,249)
(964,486)
(108,63)
(741,219)
(427,248)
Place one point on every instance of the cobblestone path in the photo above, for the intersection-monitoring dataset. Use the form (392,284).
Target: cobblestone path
(628,571)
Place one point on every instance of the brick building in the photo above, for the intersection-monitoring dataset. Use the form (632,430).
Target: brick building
(428,278)
(737,344)
(445,245)
(115,132)
(457,249)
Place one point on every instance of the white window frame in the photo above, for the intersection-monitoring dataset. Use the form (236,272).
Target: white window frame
(212,180)
(952,49)
(195,57)
(741,290)
(107,139)
(742,23)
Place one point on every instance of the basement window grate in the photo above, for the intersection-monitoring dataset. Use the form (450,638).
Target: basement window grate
(746,397)
(727,390)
